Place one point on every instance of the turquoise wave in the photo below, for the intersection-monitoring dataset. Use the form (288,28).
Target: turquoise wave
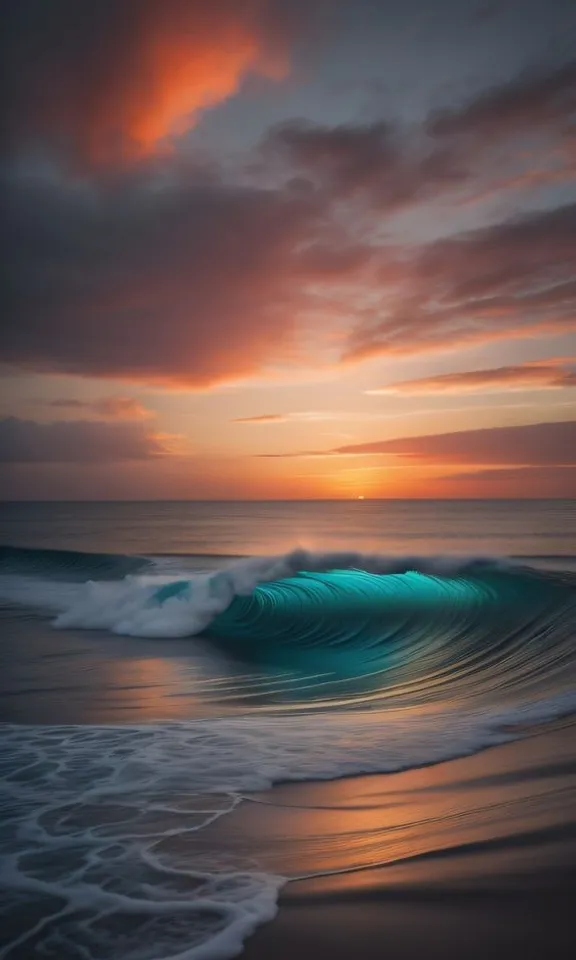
(354,622)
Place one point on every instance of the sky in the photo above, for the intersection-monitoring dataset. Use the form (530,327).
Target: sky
(276,249)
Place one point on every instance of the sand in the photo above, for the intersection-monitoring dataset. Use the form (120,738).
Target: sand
(472,858)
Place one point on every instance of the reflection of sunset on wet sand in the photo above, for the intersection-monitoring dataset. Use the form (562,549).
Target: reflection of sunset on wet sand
(422,857)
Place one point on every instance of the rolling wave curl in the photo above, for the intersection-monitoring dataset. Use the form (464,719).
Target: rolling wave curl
(420,628)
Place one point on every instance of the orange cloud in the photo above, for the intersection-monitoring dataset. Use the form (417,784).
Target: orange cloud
(542,374)
(263,418)
(301,416)
(109,81)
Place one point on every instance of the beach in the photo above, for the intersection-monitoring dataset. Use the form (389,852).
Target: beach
(476,857)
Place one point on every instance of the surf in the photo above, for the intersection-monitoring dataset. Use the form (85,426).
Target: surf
(432,626)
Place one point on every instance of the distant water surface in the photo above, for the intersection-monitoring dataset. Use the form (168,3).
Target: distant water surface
(493,527)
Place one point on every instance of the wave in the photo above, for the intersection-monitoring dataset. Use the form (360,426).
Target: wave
(420,627)
(67,564)
(273,594)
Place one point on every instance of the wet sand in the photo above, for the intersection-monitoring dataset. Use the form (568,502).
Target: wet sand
(472,858)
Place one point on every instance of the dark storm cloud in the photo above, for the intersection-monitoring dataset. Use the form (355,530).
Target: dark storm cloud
(75,441)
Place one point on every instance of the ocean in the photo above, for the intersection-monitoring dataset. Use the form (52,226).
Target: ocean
(166,666)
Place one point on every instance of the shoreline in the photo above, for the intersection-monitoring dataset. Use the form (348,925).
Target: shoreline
(464,858)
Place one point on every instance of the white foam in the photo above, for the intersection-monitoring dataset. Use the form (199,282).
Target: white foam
(105,825)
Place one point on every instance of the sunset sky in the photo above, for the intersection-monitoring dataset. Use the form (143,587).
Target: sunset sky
(273,249)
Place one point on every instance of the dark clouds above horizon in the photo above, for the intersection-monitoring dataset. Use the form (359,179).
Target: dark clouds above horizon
(136,252)
(75,441)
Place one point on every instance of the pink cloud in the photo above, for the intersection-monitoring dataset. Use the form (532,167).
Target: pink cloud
(506,281)
(543,374)
(551,482)
(535,444)
(263,418)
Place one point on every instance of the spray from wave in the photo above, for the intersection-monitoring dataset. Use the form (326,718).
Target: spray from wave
(300,582)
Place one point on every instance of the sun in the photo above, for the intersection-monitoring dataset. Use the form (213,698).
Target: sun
(361,497)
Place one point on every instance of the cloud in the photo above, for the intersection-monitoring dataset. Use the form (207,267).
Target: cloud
(373,162)
(76,441)
(171,274)
(454,151)
(551,482)
(519,135)
(203,282)
(192,282)
(543,374)
(535,444)
(562,472)
(181,282)
(107,81)
(263,418)
(536,99)
(513,279)
(300,416)
(113,408)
